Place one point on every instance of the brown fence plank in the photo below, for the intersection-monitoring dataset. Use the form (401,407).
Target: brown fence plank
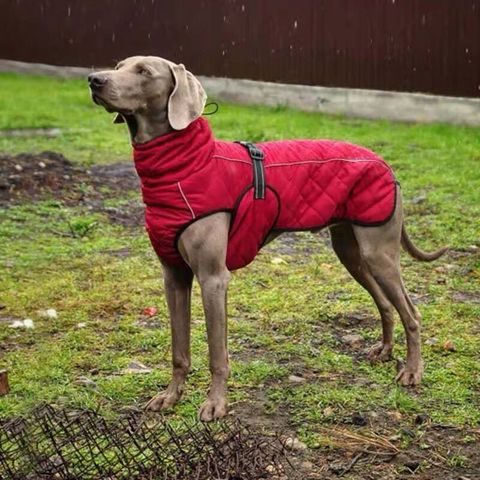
(407,45)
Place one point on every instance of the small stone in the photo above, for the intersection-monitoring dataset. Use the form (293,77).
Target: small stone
(431,341)
(328,411)
(411,464)
(86,382)
(295,444)
(42,164)
(419,199)
(48,313)
(394,415)
(296,379)
(270,469)
(81,325)
(27,323)
(421,418)
(274,470)
(18,168)
(359,420)
(408,432)
(136,367)
(307,465)
(337,467)
(352,339)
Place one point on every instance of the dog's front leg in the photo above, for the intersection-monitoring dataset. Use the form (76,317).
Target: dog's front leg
(204,247)
(178,289)
(214,296)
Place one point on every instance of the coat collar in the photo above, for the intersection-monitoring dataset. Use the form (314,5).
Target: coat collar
(173,157)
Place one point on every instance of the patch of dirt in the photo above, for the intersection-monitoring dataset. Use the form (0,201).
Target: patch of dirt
(466,297)
(372,445)
(27,177)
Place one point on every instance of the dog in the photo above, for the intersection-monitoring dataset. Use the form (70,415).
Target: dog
(211,205)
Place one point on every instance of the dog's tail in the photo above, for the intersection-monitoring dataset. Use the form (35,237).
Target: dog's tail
(415,252)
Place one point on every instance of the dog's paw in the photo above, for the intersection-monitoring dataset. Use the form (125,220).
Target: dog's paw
(163,400)
(380,352)
(213,409)
(409,377)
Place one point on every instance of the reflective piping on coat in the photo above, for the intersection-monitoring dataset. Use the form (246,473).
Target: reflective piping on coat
(185,199)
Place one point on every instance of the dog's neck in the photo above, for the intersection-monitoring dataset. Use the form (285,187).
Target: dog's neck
(144,128)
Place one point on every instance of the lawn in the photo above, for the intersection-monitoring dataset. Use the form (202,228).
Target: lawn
(288,311)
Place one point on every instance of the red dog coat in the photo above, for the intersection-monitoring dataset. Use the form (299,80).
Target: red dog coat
(187,175)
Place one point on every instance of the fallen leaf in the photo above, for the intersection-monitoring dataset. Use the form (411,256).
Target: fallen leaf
(150,311)
(449,346)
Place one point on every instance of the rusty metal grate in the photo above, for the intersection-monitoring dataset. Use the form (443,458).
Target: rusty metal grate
(55,443)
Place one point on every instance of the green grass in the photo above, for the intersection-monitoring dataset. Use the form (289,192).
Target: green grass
(283,318)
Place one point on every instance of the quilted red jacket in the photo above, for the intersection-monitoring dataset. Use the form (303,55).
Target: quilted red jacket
(187,175)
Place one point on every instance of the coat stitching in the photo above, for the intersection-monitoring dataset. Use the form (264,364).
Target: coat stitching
(186,201)
(353,160)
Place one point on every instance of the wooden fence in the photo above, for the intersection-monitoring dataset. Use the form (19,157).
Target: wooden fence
(428,46)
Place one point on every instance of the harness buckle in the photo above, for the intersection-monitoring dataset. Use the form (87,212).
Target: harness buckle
(257,157)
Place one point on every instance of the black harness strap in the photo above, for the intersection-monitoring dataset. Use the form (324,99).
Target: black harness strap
(257,156)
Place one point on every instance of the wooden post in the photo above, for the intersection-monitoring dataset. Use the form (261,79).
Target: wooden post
(4,387)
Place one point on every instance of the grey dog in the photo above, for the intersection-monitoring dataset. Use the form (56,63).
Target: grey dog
(140,90)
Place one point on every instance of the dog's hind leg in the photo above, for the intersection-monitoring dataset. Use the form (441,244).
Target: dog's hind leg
(380,252)
(346,247)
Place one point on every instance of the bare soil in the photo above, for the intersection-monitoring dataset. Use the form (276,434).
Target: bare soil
(30,177)
(373,445)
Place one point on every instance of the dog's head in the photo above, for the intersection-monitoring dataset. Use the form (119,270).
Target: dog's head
(149,90)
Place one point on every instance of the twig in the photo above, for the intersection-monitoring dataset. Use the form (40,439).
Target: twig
(351,464)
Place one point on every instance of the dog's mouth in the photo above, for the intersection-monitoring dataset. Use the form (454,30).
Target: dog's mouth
(126,116)
(130,120)
(102,102)
(99,100)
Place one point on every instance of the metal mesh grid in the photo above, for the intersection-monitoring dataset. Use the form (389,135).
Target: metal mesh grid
(82,445)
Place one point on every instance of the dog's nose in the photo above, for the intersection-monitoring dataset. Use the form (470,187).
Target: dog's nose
(97,80)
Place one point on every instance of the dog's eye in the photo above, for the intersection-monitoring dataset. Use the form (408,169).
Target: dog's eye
(143,71)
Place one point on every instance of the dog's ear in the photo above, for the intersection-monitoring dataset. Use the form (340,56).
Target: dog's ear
(118,119)
(187,100)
